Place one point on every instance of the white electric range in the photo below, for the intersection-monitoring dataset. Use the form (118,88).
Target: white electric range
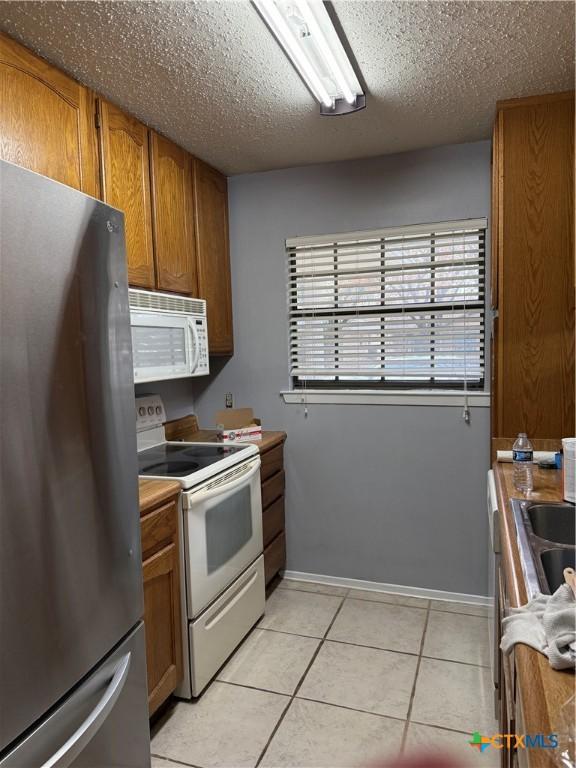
(221,539)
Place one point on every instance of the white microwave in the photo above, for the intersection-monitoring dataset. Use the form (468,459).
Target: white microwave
(169,336)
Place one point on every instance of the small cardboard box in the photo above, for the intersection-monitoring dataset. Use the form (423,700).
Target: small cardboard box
(238,425)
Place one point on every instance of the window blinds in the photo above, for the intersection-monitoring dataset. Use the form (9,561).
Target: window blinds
(400,307)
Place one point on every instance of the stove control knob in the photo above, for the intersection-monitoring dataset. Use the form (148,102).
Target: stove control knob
(158,410)
(150,410)
(142,411)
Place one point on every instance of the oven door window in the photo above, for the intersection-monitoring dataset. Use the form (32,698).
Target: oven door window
(228,528)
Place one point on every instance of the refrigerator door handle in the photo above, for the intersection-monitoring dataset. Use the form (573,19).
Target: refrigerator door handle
(76,743)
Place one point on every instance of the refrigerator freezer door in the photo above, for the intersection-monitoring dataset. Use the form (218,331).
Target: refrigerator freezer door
(70,567)
(102,724)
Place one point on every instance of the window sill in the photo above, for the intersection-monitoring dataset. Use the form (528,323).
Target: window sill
(454,398)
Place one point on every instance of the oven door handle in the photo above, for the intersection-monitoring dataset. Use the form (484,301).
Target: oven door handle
(218,489)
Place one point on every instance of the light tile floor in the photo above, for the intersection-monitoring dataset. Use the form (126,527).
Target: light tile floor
(338,678)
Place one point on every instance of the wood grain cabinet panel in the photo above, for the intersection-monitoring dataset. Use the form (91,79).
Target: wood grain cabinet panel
(533,202)
(124,163)
(273,488)
(173,216)
(158,528)
(46,119)
(272,462)
(162,624)
(274,557)
(273,520)
(212,248)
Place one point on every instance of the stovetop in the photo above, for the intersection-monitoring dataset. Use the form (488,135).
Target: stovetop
(190,463)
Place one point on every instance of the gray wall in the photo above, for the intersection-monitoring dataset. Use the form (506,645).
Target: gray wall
(392,494)
(177,396)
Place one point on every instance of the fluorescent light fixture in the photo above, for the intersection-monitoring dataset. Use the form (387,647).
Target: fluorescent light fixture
(306,33)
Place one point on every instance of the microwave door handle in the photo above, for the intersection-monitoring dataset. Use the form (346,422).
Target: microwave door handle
(227,487)
(196,342)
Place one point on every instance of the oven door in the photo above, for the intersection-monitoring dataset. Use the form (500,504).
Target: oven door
(164,346)
(222,532)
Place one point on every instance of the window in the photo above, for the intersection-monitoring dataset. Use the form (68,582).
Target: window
(394,308)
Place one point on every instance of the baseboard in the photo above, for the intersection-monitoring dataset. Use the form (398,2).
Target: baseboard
(376,586)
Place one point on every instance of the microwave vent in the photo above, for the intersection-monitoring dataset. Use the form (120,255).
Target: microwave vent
(164,302)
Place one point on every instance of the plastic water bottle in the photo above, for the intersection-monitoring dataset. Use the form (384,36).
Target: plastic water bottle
(522,456)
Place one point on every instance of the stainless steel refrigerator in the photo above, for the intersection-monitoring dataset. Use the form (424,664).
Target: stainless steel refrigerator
(72,656)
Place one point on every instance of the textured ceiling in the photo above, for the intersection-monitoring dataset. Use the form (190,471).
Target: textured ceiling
(209,75)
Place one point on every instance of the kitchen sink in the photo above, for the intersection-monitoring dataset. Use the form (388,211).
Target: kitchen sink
(553,522)
(553,563)
(546,534)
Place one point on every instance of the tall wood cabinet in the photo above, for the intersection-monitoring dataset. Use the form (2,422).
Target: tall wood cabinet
(214,285)
(46,119)
(124,163)
(533,384)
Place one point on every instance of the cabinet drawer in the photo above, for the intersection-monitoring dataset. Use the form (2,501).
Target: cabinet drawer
(275,557)
(272,489)
(273,520)
(158,527)
(272,462)
(215,633)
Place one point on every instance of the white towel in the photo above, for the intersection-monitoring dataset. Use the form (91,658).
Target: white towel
(548,624)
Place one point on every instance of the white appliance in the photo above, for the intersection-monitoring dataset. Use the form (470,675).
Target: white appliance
(223,589)
(493,587)
(169,336)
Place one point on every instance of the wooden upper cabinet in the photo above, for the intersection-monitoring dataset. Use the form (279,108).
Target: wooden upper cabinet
(124,164)
(212,248)
(46,119)
(173,216)
(533,213)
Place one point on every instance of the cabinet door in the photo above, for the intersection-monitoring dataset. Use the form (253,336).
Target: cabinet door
(46,119)
(535,242)
(211,201)
(126,185)
(173,216)
(162,624)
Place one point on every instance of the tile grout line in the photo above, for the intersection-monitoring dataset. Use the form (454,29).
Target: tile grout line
(430,600)
(377,647)
(413,693)
(171,760)
(252,687)
(441,728)
(351,709)
(293,696)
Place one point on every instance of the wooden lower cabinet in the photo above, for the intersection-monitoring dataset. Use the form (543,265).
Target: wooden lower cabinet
(275,557)
(162,615)
(273,484)
(162,622)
